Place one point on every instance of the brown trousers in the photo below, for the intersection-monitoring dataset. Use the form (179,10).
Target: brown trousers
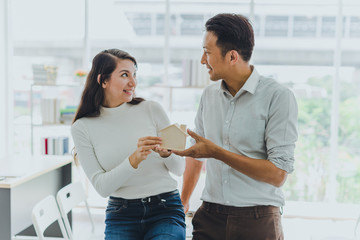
(219,222)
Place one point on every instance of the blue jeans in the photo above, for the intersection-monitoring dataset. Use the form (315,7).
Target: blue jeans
(156,217)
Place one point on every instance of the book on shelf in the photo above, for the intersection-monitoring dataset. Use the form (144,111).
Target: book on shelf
(55,145)
(50,110)
(44,74)
(52,113)
(67,114)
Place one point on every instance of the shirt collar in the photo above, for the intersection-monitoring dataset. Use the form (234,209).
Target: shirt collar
(250,84)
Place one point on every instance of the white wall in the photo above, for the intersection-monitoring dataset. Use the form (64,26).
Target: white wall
(6,94)
(3,99)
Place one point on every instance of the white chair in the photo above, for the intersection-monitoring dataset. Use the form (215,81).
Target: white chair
(69,197)
(44,214)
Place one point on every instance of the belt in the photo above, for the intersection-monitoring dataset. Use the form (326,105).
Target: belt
(231,210)
(151,199)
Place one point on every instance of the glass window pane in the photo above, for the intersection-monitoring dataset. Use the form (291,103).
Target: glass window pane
(355,27)
(141,23)
(192,24)
(276,26)
(160,24)
(256,25)
(47,20)
(328,26)
(304,26)
(349,138)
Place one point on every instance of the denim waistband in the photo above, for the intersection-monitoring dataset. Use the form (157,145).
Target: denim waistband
(231,210)
(151,199)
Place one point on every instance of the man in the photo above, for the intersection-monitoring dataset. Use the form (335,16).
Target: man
(246,128)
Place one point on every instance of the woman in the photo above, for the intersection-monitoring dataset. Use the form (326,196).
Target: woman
(115,136)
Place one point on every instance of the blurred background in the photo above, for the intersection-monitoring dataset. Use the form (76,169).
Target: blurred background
(312,46)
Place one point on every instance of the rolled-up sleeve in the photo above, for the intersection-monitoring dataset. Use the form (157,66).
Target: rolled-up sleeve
(281,130)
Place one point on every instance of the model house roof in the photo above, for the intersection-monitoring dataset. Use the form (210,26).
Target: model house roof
(181,128)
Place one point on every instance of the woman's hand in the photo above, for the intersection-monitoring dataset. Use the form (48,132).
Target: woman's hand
(163,152)
(144,147)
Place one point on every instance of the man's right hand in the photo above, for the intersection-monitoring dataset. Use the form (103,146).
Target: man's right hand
(190,179)
(186,205)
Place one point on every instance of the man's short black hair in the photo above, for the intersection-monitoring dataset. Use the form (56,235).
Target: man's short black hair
(234,32)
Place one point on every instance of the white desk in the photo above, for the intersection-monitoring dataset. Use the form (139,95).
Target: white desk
(27,181)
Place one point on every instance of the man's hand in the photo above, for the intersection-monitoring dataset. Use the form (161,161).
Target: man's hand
(203,148)
(190,179)
(186,206)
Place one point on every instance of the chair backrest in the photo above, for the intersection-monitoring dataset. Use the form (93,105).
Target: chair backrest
(44,214)
(69,197)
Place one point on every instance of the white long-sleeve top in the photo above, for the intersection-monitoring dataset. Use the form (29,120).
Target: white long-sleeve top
(104,144)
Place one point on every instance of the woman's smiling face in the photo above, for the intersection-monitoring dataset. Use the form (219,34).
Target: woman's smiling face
(120,87)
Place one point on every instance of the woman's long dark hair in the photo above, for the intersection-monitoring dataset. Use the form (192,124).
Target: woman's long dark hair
(104,63)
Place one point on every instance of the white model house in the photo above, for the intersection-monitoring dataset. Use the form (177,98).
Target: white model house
(173,137)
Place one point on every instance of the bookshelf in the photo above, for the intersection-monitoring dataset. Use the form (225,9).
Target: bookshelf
(47,102)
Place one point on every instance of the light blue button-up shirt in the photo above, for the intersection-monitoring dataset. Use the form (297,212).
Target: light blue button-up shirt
(259,122)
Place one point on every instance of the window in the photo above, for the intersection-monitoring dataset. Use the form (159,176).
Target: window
(160,25)
(276,26)
(304,26)
(354,27)
(40,20)
(256,25)
(191,24)
(328,26)
(141,22)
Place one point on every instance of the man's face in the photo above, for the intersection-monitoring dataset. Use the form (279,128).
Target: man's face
(212,57)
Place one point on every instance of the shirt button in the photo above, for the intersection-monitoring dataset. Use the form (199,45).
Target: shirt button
(232,103)
(227,202)
(225,181)
(227,121)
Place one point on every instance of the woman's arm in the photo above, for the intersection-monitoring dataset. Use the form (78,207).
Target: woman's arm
(107,182)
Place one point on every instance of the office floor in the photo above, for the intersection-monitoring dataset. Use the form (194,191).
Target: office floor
(294,228)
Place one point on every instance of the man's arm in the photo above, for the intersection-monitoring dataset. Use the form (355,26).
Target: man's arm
(190,179)
(259,169)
